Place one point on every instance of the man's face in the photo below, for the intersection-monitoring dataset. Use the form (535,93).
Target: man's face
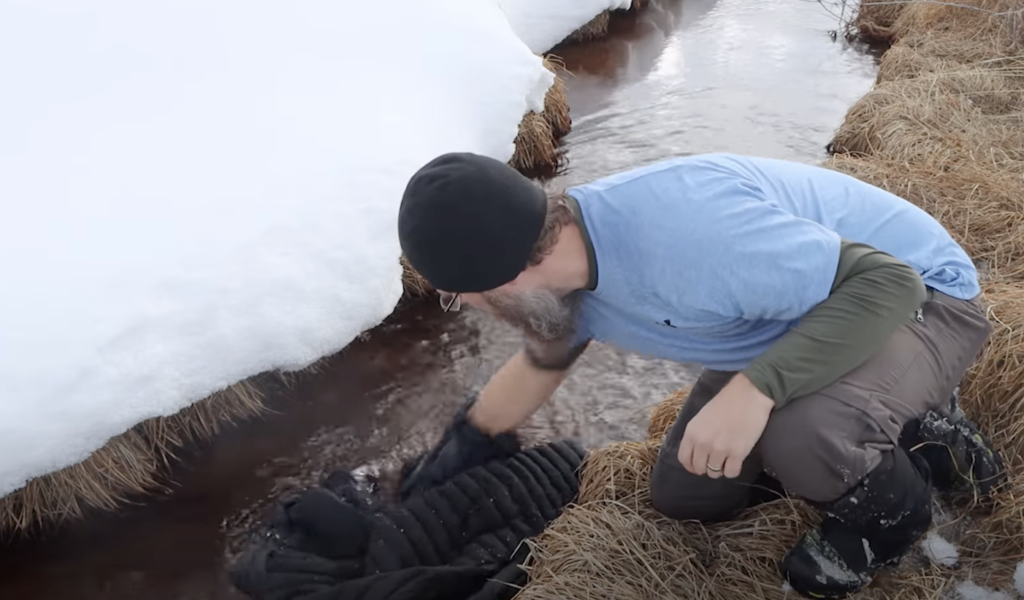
(541,314)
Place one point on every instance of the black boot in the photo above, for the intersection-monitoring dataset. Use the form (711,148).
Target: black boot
(961,458)
(871,527)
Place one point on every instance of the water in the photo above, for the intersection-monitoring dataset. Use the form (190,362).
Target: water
(760,77)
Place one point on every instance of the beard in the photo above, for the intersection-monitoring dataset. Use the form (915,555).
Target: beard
(541,314)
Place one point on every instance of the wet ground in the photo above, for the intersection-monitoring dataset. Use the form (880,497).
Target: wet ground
(750,76)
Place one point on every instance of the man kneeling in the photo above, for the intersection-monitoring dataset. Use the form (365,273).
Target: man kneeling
(833,320)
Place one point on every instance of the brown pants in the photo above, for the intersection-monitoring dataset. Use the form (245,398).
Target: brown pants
(821,445)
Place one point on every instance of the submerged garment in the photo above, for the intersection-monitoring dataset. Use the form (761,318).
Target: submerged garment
(710,258)
(820,445)
(459,540)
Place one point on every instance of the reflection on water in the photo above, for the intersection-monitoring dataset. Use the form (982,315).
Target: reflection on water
(748,76)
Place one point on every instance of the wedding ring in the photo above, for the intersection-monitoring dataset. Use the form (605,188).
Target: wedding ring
(714,469)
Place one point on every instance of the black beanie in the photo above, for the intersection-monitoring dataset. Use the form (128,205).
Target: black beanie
(467,222)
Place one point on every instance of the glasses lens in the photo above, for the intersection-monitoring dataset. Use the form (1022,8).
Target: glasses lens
(450,302)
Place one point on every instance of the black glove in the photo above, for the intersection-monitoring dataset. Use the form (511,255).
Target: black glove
(462,447)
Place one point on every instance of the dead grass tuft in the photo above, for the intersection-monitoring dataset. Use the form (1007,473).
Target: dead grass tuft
(538,153)
(556,106)
(664,414)
(413,283)
(129,464)
(876,19)
(993,393)
(594,29)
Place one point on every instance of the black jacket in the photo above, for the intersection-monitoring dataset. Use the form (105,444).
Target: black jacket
(460,539)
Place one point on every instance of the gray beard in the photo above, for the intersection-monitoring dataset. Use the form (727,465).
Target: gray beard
(541,314)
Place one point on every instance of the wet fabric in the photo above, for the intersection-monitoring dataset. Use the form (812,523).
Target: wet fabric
(461,539)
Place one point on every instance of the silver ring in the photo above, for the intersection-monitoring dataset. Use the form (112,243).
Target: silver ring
(714,469)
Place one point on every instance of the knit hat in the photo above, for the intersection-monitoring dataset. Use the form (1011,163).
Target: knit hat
(467,223)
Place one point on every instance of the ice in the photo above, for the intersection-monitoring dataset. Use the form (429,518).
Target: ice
(939,551)
(543,23)
(969,590)
(194,192)
(1018,578)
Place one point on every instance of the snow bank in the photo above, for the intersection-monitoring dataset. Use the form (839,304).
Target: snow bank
(196,192)
(543,23)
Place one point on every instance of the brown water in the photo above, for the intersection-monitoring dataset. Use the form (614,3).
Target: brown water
(683,77)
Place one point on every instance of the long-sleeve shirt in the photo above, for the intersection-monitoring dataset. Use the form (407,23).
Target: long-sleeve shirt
(791,273)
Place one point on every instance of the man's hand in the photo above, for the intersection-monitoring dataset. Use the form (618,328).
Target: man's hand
(724,432)
(462,446)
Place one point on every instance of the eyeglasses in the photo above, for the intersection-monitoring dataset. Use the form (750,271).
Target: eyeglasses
(450,302)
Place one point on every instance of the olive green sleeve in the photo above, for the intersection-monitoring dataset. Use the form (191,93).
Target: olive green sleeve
(872,295)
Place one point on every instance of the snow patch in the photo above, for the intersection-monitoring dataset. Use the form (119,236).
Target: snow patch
(940,551)
(543,23)
(1018,578)
(969,590)
(197,192)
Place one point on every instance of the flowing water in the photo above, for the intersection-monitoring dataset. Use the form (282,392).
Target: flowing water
(683,77)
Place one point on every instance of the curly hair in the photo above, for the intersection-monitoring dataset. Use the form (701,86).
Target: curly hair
(558,216)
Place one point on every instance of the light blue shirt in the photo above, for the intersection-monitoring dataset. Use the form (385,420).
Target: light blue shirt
(709,259)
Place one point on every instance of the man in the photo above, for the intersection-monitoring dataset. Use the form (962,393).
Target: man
(833,320)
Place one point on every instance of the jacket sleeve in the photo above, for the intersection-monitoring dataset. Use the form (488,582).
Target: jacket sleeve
(872,296)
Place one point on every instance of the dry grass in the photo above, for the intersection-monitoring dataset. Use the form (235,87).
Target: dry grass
(944,128)
(538,153)
(594,29)
(129,464)
(413,283)
(556,106)
(993,393)
(875,20)
(664,414)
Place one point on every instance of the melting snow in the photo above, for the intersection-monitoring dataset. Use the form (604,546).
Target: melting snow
(971,591)
(543,23)
(939,551)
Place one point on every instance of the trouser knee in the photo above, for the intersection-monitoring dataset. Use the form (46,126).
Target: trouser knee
(681,495)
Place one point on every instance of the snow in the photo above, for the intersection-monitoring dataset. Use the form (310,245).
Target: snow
(940,551)
(195,192)
(969,590)
(543,23)
(1018,578)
